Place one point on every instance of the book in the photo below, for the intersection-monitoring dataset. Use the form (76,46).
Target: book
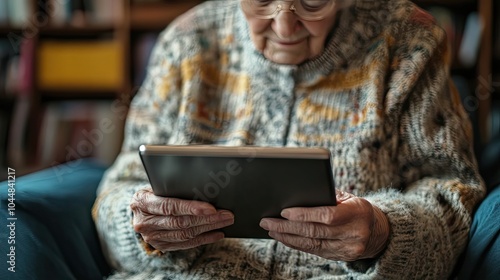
(72,130)
(26,62)
(471,40)
(4,60)
(16,70)
(17,133)
(142,52)
(79,145)
(48,135)
(59,11)
(495,119)
(12,78)
(83,12)
(20,12)
(59,139)
(107,132)
(54,135)
(4,18)
(78,13)
(106,12)
(81,65)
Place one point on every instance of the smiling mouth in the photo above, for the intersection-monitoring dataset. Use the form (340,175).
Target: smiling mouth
(289,43)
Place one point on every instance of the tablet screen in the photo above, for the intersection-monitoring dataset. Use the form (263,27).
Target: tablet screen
(252,182)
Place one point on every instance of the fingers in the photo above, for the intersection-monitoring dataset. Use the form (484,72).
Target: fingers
(345,212)
(324,215)
(330,249)
(202,239)
(146,201)
(311,230)
(149,223)
(179,236)
(347,232)
(170,224)
(342,196)
(169,233)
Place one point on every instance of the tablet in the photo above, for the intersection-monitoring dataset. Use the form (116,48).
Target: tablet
(252,182)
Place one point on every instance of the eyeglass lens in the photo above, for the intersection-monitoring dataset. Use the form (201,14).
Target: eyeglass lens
(306,9)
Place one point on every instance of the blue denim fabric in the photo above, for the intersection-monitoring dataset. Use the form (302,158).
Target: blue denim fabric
(482,256)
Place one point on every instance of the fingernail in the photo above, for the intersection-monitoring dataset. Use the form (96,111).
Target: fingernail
(207,212)
(264,224)
(226,215)
(285,213)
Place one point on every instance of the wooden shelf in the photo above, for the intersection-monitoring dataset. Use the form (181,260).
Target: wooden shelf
(62,29)
(156,16)
(484,68)
(72,94)
(68,30)
(7,29)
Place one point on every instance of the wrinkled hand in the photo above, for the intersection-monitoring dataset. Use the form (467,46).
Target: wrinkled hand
(352,230)
(170,224)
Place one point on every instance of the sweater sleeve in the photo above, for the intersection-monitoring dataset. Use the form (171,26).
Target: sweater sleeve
(151,119)
(431,208)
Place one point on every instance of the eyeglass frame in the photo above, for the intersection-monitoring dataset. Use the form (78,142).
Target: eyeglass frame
(291,9)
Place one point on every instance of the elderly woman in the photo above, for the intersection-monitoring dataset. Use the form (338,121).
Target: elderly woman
(367,79)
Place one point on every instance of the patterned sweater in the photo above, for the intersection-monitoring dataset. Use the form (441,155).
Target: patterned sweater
(378,97)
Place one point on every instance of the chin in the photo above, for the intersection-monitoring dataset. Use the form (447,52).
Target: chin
(286,59)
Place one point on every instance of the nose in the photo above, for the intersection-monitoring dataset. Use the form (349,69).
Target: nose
(285,24)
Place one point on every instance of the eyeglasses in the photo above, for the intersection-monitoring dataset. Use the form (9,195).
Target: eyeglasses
(310,10)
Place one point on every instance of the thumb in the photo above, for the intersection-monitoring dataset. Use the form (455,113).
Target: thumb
(342,196)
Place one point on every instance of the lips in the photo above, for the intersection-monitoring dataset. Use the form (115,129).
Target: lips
(289,43)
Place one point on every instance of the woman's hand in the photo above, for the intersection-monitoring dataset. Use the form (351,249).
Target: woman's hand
(352,230)
(170,224)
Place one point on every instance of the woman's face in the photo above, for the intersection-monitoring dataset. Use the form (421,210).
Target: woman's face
(288,39)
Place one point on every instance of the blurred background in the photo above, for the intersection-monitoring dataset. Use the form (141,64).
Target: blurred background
(69,68)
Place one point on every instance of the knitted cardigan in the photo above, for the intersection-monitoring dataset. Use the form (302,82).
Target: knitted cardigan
(379,97)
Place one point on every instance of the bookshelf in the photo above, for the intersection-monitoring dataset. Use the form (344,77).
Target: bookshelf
(155,16)
(495,106)
(130,27)
(52,113)
(70,62)
(484,70)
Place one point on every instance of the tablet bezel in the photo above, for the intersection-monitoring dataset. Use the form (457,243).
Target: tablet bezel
(236,151)
(260,159)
